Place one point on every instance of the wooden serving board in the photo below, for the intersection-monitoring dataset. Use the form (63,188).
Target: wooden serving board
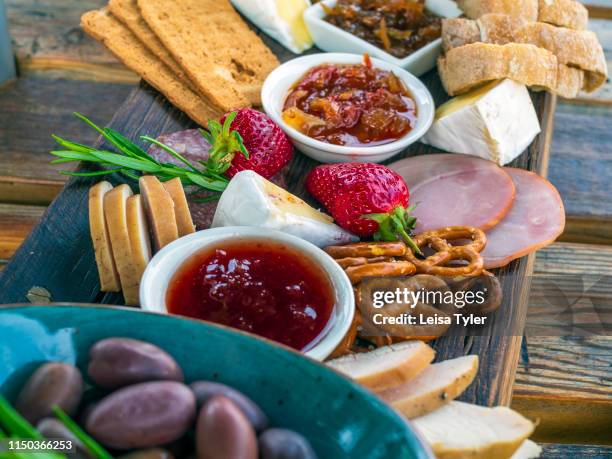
(58,254)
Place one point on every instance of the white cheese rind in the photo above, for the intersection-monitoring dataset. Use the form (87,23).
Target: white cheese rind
(251,200)
(498,126)
(267,15)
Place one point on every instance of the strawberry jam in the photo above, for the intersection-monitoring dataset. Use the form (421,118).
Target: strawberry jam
(352,105)
(259,286)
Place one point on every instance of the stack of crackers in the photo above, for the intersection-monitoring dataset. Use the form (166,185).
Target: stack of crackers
(199,53)
(543,44)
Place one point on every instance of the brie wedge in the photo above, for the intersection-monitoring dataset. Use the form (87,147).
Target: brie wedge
(251,200)
(281,19)
(496,122)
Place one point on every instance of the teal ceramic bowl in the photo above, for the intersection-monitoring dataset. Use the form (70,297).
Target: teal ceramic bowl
(341,419)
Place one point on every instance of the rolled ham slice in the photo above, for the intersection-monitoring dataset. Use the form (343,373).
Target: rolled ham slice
(536,219)
(451,190)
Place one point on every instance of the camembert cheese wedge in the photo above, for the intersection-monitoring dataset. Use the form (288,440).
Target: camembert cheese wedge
(281,19)
(496,122)
(251,200)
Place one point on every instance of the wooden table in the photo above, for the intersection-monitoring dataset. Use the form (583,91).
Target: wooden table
(565,382)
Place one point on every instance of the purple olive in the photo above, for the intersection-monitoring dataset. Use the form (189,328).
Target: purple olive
(151,453)
(117,362)
(143,415)
(53,429)
(51,384)
(224,432)
(205,390)
(284,444)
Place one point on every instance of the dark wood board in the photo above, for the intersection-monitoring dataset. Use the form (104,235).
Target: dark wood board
(59,257)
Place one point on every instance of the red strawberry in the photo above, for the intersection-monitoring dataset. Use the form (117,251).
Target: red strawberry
(366,199)
(247,139)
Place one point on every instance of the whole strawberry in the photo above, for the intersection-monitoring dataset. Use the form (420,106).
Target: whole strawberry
(246,139)
(366,199)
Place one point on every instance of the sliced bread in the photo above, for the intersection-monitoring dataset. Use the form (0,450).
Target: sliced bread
(107,270)
(526,10)
(564,13)
(437,385)
(459,430)
(115,212)
(159,209)
(387,366)
(184,222)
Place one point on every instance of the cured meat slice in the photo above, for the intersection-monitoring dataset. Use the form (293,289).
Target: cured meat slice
(536,219)
(189,143)
(451,190)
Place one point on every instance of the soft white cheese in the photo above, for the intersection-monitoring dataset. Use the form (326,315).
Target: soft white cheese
(281,19)
(496,122)
(251,200)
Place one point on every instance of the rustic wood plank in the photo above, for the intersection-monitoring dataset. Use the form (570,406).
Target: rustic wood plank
(557,451)
(16,222)
(581,168)
(32,110)
(566,383)
(47,39)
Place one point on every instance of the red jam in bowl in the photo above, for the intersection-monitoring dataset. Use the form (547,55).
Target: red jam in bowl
(259,286)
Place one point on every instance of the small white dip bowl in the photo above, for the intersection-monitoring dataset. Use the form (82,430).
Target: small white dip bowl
(278,85)
(167,261)
(330,38)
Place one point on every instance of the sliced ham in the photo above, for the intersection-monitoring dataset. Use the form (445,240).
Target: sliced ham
(452,190)
(536,219)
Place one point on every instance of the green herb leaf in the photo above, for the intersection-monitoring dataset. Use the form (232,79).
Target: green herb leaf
(15,424)
(94,448)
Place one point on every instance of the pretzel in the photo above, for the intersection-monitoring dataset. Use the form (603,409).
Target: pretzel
(445,253)
(358,261)
(367,250)
(383,269)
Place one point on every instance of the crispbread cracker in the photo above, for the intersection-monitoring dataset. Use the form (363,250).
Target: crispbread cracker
(526,10)
(570,81)
(103,27)
(498,28)
(564,13)
(127,12)
(471,65)
(223,57)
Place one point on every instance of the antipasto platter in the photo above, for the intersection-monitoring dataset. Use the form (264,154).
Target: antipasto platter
(424,193)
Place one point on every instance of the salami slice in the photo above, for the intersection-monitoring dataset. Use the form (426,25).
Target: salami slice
(536,219)
(451,190)
(189,143)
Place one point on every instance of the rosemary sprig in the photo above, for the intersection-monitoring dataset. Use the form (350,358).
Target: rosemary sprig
(133,161)
(97,451)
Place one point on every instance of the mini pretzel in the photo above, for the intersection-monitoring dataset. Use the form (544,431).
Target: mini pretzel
(367,250)
(439,240)
(384,269)
(358,261)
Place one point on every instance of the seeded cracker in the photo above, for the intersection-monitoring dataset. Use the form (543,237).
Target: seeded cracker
(128,13)
(103,27)
(223,57)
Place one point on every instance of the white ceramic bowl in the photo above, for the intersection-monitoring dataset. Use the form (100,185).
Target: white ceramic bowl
(165,263)
(333,39)
(277,86)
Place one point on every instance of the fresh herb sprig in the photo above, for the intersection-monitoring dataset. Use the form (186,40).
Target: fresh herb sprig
(132,161)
